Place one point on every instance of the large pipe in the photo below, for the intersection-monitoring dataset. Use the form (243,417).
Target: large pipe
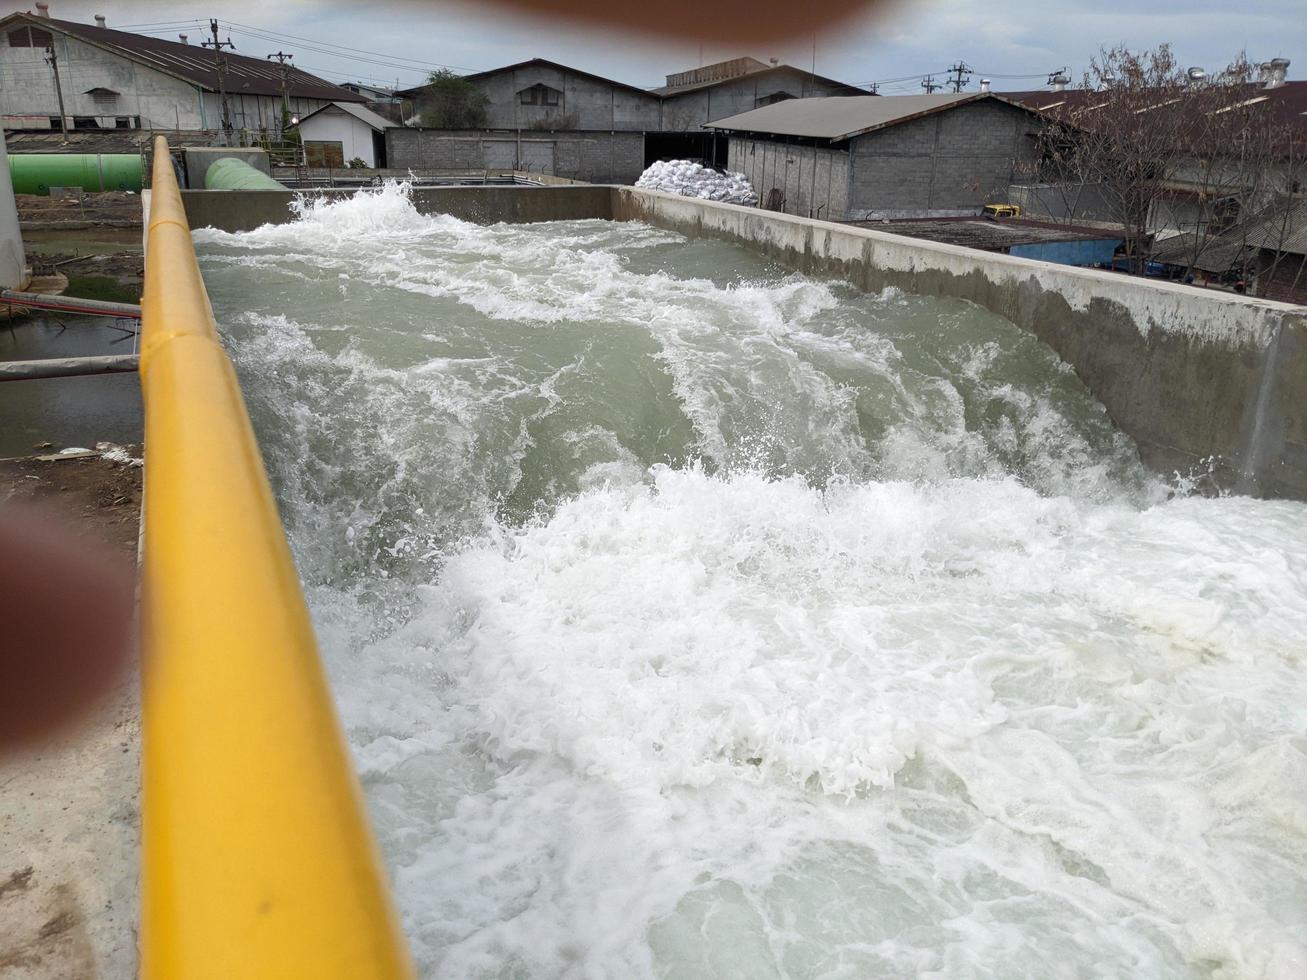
(69,304)
(230,174)
(36,173)
(12,261)
(67,367)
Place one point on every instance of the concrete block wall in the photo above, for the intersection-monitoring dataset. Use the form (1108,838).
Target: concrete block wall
(949,162)
(584,103)
(594,157)
(690,110)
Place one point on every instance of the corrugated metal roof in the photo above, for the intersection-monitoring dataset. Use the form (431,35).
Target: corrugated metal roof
(840,117)
(1285,104)
(192,63)
(1281,230)
(361,113)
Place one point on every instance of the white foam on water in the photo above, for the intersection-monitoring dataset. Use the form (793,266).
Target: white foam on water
(898,666)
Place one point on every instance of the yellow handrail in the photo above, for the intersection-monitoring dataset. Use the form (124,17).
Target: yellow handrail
(256,855)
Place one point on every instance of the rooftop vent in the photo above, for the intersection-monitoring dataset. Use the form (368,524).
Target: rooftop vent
(1059,80)
(43,10)
(984,85)
(1195,75)
(184,38)
(99,21)
(1274,72)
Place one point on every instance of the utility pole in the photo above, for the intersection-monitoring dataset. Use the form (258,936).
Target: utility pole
(284,60)
(961,76)
(52,60)
(929,84)
(221,64)
(874,88)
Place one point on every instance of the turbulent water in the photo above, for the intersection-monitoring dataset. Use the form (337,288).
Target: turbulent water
(690,618)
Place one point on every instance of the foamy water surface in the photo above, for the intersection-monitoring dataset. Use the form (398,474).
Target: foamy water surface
(691,618)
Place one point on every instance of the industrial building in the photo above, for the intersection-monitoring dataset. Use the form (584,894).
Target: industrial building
(107,79)
(554,113)
(883,157)
(343,131)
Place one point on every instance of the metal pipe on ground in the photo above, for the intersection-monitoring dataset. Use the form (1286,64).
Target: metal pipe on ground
(231,174)
(69,304)
(68,367)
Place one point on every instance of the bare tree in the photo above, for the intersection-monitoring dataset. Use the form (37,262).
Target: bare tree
(1167,154)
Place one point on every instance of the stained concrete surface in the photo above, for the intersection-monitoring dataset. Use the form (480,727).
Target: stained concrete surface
(68,809)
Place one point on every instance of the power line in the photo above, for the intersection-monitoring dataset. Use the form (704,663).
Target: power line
(961,73)
(328,44)
(254,35)
(220,63)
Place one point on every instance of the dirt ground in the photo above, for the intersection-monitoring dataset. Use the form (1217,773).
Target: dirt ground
(115,209)
(68,811)
(123,266)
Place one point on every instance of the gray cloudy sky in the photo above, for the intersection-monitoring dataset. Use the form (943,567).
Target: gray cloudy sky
(382,42)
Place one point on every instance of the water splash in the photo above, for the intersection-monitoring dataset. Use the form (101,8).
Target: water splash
(692,618)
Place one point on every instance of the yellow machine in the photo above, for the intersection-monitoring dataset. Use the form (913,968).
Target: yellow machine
(1001,211)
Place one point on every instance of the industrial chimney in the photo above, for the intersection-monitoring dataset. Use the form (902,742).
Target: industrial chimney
(43,10)
(1274,72)
(99,21)
(984,85)
(184,38)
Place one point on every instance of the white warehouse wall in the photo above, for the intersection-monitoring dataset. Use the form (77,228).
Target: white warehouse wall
(27,86)
(333,125)
(161,100)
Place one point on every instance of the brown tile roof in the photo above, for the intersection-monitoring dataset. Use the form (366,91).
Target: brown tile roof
(193,63)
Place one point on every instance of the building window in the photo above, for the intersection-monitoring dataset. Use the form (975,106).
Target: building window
(85,122)
(30,37)
(539,95)
(773,98)
(325,153)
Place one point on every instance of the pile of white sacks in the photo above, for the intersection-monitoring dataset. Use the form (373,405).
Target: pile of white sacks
(695,180)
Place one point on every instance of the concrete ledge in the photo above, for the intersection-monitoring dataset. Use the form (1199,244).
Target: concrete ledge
(1191,375)
(246,210)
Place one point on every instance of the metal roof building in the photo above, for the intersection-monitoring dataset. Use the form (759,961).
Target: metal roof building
(834,119)
(883,157)
(112,79)
(343,131)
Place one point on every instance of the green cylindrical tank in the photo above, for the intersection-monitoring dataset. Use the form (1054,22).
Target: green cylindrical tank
(36,173)
(230,174)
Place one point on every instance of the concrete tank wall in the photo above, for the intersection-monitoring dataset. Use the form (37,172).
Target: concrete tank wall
(1200,379)
(247,210)
(1191,375)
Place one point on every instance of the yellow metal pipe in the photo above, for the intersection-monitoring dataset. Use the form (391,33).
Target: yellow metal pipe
(257,861)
